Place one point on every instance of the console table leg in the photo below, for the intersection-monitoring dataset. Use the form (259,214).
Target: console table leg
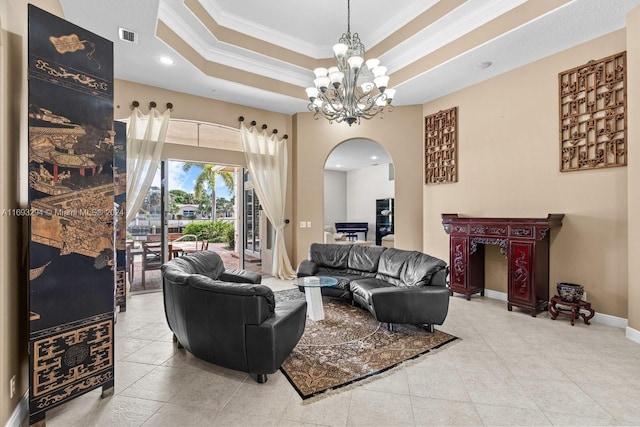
(509,306)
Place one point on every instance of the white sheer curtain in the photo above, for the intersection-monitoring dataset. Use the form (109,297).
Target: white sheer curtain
(266,157)
(145,138)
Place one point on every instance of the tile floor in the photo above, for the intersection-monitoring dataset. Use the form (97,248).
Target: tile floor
(508,369)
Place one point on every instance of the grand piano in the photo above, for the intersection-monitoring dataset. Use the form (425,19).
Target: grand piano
(351,229)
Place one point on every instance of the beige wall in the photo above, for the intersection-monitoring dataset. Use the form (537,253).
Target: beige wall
(400,133)
(633,170)
(508,167)
(192,107)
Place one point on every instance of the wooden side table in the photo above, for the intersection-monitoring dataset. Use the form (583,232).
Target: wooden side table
(573,309)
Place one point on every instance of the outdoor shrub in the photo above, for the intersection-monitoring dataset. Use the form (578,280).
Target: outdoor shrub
(230,236)
(215,232)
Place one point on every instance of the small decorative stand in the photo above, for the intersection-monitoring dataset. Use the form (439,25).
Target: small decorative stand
(574,309)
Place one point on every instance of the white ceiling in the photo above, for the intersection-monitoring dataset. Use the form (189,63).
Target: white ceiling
(424,61)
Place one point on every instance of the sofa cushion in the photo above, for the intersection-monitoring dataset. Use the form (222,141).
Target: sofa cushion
(329,255)
(419,268)
(343,277)
(391,264)
(365,259)
(363,287)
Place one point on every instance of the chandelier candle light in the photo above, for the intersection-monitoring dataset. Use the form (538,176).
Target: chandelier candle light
(354,89)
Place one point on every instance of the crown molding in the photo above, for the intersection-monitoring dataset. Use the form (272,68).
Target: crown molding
(259,31)
(233,56)
(451,27)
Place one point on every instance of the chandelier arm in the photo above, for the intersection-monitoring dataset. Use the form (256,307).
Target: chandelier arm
(369,103)
(335,103)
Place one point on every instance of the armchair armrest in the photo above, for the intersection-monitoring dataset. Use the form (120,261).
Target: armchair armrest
(307,268)
(440,278)
(417,305)
(270,343)
(174,274)
(240,276)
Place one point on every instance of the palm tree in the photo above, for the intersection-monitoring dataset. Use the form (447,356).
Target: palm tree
(207,179)
(153,200)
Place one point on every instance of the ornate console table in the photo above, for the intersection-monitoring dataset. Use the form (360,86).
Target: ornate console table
(524,241)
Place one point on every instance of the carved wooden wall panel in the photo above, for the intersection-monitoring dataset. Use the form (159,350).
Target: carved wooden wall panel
(593,121)
(441,147)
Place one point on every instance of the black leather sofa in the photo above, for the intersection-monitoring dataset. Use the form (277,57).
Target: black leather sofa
(395,285)
(227,317)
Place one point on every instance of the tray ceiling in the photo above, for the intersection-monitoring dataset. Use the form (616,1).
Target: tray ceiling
(261,54)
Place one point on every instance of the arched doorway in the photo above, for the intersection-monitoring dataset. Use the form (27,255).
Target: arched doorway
(359,184)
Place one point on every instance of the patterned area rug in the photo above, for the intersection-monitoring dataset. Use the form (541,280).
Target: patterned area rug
(349,345)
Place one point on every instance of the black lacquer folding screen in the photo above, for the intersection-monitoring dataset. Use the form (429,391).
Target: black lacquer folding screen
(71,195)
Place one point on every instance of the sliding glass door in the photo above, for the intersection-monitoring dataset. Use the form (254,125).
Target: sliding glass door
(251,223)
(146,237)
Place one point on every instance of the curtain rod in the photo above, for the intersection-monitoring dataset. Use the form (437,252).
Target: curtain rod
(253,123)
(152,104)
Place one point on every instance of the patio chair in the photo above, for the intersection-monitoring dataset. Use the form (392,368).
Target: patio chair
(151,258)
(129,258)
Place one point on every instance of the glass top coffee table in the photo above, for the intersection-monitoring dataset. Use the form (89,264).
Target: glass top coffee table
(312,285)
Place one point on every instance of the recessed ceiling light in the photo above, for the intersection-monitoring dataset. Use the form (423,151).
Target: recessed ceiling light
(166,60)
(483,65)
(374,157)
(338,166)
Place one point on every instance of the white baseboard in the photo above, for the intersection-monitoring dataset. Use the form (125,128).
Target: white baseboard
(633,334)
(502,296)
(604,319)
(20,412)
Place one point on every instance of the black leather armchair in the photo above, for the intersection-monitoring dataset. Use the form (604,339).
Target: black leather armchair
(233,323)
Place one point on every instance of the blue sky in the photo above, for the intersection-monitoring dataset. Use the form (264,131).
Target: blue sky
(181,180)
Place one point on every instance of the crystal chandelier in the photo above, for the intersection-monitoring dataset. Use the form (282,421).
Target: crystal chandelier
(350,91)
